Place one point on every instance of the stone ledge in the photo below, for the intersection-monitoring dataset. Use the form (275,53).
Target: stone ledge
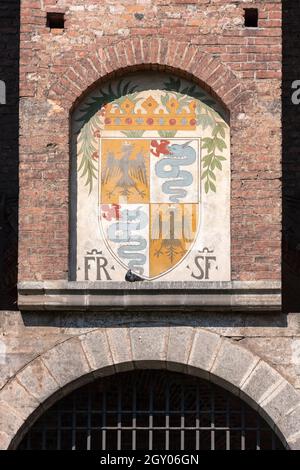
(253,296)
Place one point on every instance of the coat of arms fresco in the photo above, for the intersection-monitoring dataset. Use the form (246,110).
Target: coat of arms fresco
(153,183)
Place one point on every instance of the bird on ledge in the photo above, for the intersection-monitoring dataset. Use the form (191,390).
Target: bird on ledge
(131,277)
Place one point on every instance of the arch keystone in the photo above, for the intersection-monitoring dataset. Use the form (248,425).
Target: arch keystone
(149,345)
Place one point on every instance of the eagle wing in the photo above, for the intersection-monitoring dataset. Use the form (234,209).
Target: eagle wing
(137,169)
(111,169)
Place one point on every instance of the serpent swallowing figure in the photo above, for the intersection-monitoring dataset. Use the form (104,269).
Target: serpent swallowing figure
(180,155)
(121,232)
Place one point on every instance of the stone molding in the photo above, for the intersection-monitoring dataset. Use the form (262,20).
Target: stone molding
(231,296)
(105,351)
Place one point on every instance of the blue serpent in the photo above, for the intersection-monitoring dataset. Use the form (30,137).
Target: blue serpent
(121,232)
(180,155)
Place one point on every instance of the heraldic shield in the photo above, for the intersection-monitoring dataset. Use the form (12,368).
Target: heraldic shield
(149,200)
(153,161)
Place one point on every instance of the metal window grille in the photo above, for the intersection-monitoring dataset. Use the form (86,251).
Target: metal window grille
(150,410)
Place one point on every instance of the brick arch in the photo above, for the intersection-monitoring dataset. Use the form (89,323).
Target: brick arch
(133,54)
(106,351)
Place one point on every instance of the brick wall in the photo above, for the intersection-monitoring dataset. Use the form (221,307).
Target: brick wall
(102,37)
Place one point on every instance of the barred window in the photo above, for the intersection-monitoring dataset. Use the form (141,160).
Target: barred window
(151,410)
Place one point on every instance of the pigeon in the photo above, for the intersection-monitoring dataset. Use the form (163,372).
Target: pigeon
(131,277)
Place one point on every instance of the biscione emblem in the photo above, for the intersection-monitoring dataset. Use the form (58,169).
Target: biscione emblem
(152,183)
(149,201)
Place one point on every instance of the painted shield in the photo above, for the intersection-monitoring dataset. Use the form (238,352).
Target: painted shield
(149,201)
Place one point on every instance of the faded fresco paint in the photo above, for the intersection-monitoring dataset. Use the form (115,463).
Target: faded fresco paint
(151,172)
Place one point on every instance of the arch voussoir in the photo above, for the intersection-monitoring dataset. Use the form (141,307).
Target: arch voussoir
(233,365)
(96,348)
(10,424)
(135,53)
(57,360)
(119,342)
(154,50)
(37,379)
(204,349)
(179,347)
(279,405)
(188,349)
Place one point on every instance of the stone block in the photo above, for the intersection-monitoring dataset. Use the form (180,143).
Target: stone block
(281,402)
(37,380)
(261,382)
(149,345)
(15,395)
(289,425)
(5,440)
(203,352)
(96,348)
(66,361)
(293,442)
(10,421)
(179,345)
(233,365)
(120,347)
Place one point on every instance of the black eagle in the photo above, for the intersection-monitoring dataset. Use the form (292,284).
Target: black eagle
(130,171)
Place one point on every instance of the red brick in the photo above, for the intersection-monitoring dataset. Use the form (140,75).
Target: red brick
(241,66)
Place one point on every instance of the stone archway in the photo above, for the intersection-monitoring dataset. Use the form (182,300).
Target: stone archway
(179,348)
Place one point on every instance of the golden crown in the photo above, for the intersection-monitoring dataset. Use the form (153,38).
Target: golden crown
(150,116)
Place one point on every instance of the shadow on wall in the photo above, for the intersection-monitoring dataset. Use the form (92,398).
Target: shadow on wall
(9,125)
(291,158)
(116,319)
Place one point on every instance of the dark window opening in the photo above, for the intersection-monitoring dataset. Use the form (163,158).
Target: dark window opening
(251,17)
(55,20)
(150,410)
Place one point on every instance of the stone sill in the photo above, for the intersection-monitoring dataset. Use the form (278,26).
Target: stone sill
(218,296)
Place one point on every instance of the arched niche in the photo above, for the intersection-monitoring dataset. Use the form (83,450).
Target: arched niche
(150,192)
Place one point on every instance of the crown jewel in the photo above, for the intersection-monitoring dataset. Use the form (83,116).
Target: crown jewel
(150,115)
